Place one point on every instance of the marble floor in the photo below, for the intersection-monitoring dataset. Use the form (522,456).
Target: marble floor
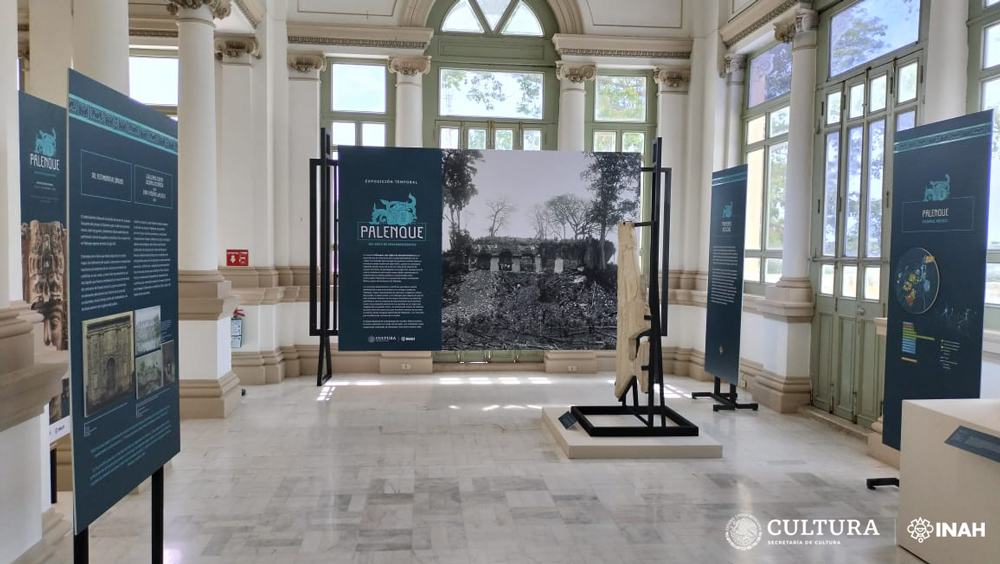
(456,468)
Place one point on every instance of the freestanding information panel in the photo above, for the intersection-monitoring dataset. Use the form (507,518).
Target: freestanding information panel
(123,294)
(940,198)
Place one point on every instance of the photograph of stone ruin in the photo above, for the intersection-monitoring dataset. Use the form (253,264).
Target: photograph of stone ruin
(107,361)
(528,260)
(43,258)
(148,374)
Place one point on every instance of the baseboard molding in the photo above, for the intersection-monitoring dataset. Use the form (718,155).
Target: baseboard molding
(210,398)
(255,368)
(784,394)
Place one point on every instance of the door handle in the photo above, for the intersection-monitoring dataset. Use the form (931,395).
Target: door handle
(861,311)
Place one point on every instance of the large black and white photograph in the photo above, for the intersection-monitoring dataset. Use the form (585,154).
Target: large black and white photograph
(147,330)
(148,374)
(529,260)
(107,361)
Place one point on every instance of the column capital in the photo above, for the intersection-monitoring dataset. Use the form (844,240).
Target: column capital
(409,65)
(577,74)
(220,8)
(24,54)
(804,21)
(672,79)
(735,65)
(236,48)
(306,63)
(784,31)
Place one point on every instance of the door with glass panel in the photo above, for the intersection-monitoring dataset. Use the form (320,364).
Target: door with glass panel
(859,118)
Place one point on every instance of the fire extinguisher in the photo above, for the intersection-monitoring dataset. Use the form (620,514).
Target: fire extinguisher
(236,328)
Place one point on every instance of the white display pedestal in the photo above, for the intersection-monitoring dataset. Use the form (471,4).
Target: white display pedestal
(945,484)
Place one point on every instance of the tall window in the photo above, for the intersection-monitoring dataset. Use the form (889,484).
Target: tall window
(493,75)
(358,105)
(984,91)
(153,79)
(765,134)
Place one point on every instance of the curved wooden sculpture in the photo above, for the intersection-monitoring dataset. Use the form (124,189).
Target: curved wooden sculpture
(632,312)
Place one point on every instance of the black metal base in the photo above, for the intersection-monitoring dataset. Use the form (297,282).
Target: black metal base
(682,427)
(725,401)
(878,482)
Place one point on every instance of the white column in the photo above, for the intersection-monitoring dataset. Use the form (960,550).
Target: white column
(795,252)
(237,131)
(277,56)
(735,65)
(410,72)
(303,144)
(572,104)
(50,32)
(100,41)
(209,389)
(947,61)
(671,126)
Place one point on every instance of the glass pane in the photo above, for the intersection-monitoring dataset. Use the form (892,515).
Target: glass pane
(491,94)
(877,100)
(531,140)
(849,283)
(493,10)
(906,120)
(873,276)
(993,283)
(461,18)
(477,139)
(856,102)
(991,46)
(449,137)
(620,98)
(343,133)
(755,198)
(751,269)
(779,122)
(991,100)
(755,130)
(777,164)
(907,89)
(633,142)
(833,108)
(770,74)
(772,271)
(373,134)
(827,273)
(830,191)
(605,141)
(153,80)
(523,22)
(876,154)
(503,139)
(357,88)
(852,219)
(869,29)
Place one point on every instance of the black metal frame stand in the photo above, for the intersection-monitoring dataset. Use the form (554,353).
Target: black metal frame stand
(727,401)
(324,220)
(873,483)
(648,413)
(81,540)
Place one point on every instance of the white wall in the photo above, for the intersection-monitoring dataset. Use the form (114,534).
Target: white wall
(20,489)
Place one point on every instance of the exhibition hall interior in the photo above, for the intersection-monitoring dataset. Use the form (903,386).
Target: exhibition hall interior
(499,281)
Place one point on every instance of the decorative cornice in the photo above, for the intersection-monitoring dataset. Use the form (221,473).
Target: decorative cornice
(152,33)
(306,62)
(410,66)
(220,8)
(577,74)
(625,53)
(353,42)
(248,12)
(228,47)
(739,28)
(672,78)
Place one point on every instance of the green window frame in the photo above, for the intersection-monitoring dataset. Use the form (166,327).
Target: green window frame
(360,122)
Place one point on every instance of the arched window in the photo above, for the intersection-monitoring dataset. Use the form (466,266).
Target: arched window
(492,83)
